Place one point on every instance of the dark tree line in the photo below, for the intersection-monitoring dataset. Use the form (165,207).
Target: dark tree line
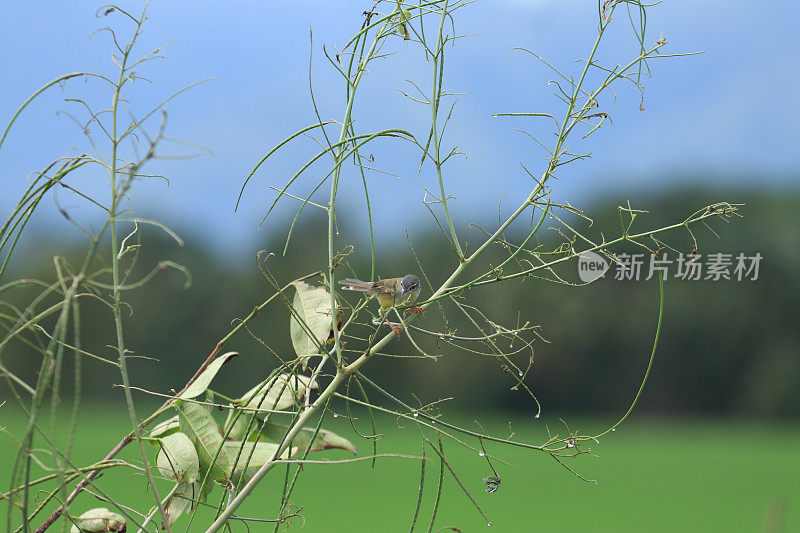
(727,346)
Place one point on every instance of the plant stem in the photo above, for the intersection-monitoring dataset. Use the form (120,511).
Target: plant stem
(116,198)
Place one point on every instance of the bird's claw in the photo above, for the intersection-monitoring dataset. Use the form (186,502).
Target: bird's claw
(397,329)
(415,309)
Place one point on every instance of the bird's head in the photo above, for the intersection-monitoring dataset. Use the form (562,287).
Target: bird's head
(409,283)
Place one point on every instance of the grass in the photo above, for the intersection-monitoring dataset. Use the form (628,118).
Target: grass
(716,475)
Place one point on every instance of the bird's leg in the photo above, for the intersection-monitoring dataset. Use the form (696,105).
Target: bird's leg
(415,309)
(384,318)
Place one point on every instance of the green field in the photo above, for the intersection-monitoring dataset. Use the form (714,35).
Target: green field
(652,476)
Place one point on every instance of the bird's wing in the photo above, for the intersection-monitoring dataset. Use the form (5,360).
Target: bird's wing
(353,284)
(383,286)
(386,286)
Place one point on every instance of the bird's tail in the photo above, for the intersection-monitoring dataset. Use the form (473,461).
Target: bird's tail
(357,285)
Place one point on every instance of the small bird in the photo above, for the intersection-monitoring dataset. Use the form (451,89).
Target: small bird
(392,292)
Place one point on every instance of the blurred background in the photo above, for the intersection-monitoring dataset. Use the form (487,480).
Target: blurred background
(716,431)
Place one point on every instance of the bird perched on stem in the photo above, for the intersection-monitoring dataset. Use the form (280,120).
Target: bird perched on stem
(392,292)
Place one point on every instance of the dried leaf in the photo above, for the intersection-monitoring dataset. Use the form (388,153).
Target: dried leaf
(185,495)
(202,382)
(324,439)
(236,427)
(313,307)
(167,427)
(178,458)
(203,431)
(276,393)
(253,456)
(98,520)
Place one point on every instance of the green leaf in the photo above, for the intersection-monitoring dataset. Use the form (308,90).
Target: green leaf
(313,307)
(184,496)
(202,382)
(203,431)
(178,458)
(98,520)
(276,393)
(323,441)
(167,427)
(247,464)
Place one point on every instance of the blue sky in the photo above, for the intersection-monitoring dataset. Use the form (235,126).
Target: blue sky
(731,111)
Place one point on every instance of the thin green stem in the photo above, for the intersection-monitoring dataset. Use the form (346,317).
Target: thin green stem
(649,363)
(436,95)
(116,197)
